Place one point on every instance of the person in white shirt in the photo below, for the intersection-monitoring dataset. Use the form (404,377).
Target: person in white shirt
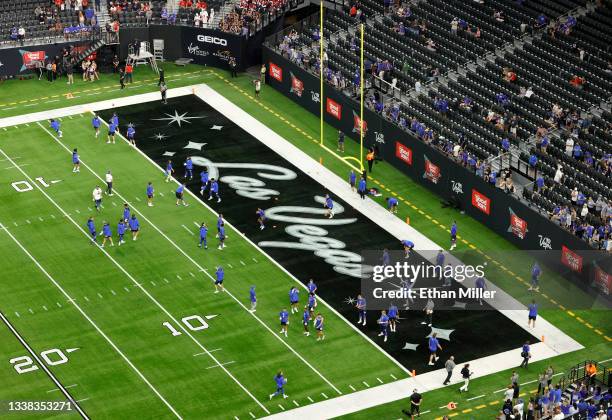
(97,197)
(558,175)
(196,20)
(569,146)
(509,393)
(529,92)
(109,183)
(204,18)
(211,16)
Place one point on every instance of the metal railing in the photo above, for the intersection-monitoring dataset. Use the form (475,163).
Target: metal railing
(92,34)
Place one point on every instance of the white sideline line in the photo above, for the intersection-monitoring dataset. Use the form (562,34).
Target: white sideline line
(194,262)
(40,362)
(122,269)
(604,361)
(73,301)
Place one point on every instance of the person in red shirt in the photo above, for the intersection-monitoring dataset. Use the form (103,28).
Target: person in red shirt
(129,69)
(353,11)
(577,81)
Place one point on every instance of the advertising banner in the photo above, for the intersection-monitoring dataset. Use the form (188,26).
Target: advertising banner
(212,47)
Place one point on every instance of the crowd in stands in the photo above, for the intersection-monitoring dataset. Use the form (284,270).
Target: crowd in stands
(505,105)
(583,399)
(67,18)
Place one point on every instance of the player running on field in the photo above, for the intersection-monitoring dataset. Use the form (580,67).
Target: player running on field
(306,320)
(312,303)
(203,234)
(408,245)
(179,195)
(220,222)
(214,190)
(121,231)
(204,179)
(220,275)
(169,170)
(433,346)
(383,321)
(126,212)
(361,310)
(131,133)
(112,130)
(56,126)
(294,298)
(96,123)
(97,197)
(352,179)
(76,161)
(150,193)
(109,183)
(91,227)
(284,321)
(329,206)
(392,314)
(134,227)
(253,299)
(280,381)
(107,233)
(221,237)
(311,286)
(188,168)
(453,236)
(318,324)
(261,218)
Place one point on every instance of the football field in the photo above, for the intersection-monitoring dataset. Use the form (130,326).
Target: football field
(137,331)
(137,328)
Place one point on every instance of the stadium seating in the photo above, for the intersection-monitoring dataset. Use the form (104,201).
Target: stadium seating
(52,24)
(562,60)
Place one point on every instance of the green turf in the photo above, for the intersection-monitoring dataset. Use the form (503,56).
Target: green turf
(592,328)
(165,261)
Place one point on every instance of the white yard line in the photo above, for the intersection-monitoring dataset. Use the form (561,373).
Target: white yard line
(93,324)
(122,269)
(195,263)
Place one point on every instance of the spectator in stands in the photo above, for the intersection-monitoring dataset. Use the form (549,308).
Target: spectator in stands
(510,75)
(499,16)
(21,33)
(577,81)
(431,45)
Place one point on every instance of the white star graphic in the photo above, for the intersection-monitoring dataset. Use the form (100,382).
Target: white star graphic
(441,333)
(410,346)
(178,119)
(159,136)
(194,145)
(169,154)
(216,127)
(349,300)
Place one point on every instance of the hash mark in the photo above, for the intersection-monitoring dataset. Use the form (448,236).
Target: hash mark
(191,274)
(296,403)
(59,305)
(153,283)
(113,292)
(126,289)
(242,262)
(324,396)
(86,298)
(45,308)
(380,380)
(179,277)
(31,311)
(166,280)
(393,376)
(310,399)
(281,407)
(17,313)
(254,259)
(365,383)
(99,295)
(352,387)
(252,415)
